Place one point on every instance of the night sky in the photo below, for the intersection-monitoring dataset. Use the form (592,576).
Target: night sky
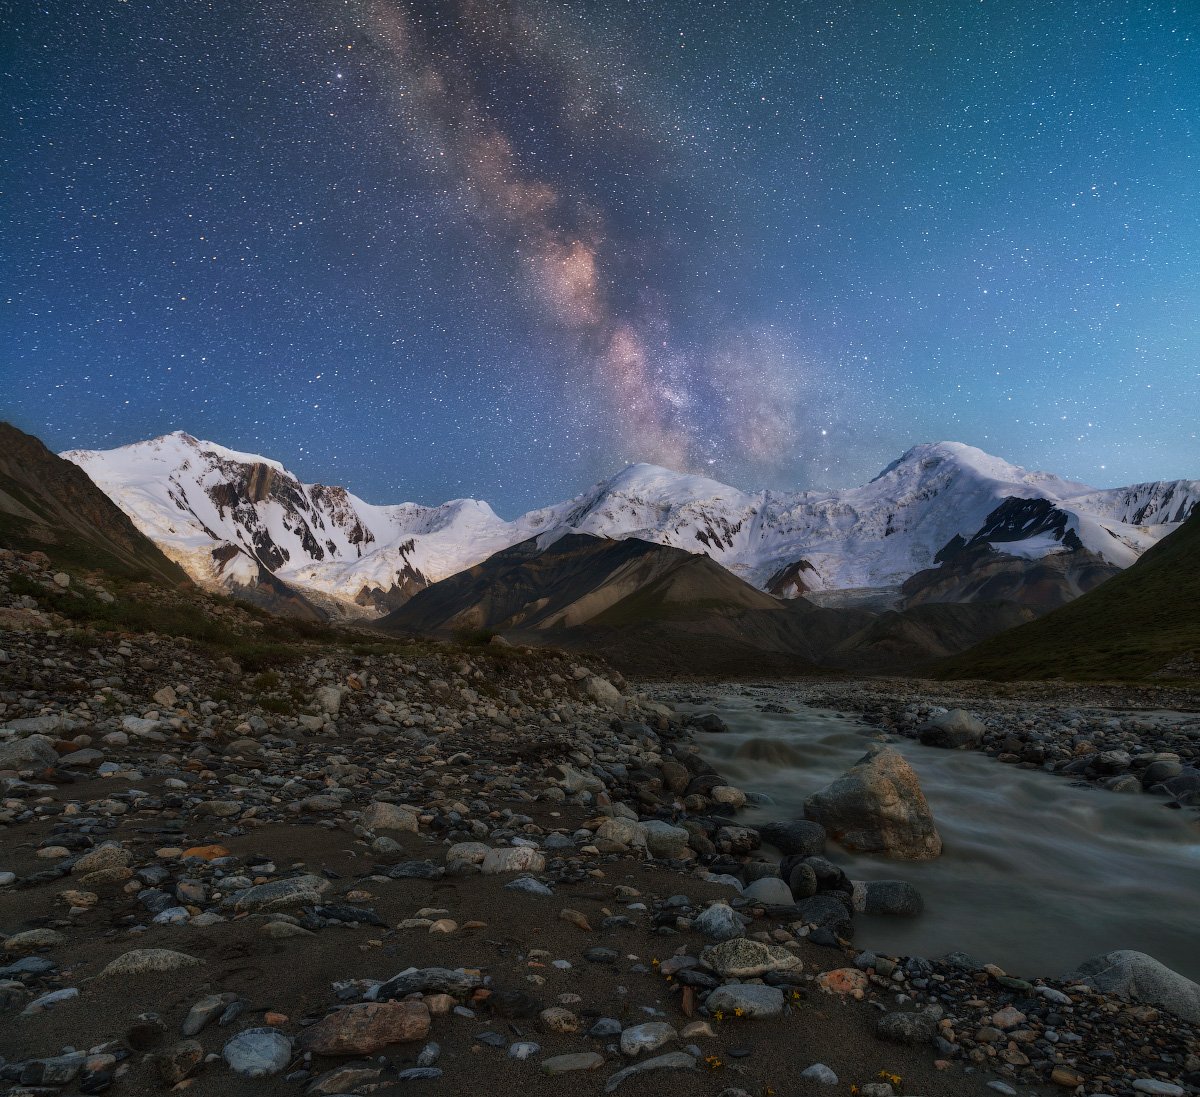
(500,249)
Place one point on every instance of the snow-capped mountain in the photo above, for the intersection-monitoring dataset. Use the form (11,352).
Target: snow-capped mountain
(223,515)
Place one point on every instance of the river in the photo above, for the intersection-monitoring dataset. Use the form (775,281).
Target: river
(1037,873)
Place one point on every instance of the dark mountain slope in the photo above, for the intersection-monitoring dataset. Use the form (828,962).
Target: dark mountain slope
(1139,623)
(572,581)
(50,505)
(655,610)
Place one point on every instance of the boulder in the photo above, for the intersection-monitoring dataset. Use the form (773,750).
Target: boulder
(746,1000)
(953,730)
(141,961)
(719,923)
(649,1036)
(34,752)
(877,806)
(827,912)
(622,832)
(664,840)
(906,1028)
(603,692)
(295,891)
(1136,975)
(897,897)
(512,859)
(258,1052)
(367,1027)
(742,958)
(797,836)
(770,890)
(384,816)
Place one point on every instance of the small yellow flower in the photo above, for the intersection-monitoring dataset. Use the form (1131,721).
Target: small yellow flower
(738,1011)
(655,962)
(719,1015)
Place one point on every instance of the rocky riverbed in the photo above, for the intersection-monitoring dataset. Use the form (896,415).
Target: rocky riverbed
(354,866)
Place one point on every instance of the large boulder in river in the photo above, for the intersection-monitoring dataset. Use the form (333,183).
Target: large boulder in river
(877,806)
(1139,976)
(954,730)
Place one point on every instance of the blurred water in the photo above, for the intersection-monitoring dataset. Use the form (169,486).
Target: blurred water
(1036,874)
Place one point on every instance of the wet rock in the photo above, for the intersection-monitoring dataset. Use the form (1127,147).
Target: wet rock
(953,730)
(893,897)
(801,836)
(528,885)
(347,1079)
(827,912)
(877,807)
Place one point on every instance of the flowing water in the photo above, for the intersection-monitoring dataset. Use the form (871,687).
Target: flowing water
(1037,874)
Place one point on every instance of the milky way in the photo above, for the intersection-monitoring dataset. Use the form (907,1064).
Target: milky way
(502,248)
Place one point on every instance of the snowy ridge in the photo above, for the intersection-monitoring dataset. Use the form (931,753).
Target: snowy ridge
(223,514)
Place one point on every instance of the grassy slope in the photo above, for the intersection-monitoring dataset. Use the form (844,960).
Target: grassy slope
(1124,630)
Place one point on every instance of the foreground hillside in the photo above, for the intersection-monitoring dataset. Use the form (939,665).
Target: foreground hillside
(51,505)
(273,859)
(1143,623)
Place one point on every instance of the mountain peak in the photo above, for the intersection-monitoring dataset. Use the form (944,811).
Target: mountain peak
(198,499)
(644,479)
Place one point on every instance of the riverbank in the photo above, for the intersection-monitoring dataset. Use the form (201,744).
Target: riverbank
(1106,735)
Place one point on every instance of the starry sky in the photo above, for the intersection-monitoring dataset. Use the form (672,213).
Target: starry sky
(500,248)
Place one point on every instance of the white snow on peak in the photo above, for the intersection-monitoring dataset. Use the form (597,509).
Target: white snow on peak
(193,496)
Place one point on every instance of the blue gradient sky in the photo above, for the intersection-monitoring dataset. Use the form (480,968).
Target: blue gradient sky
(490,249)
